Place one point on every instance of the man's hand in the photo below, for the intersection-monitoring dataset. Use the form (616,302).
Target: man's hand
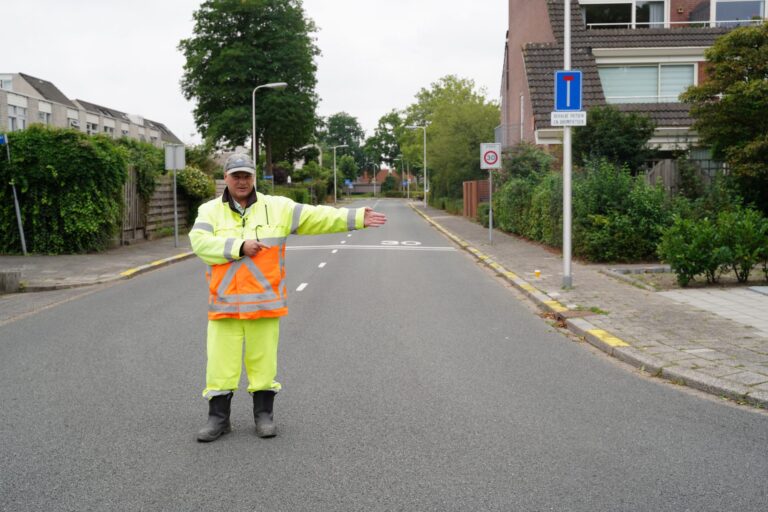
(251,247)
(373,219)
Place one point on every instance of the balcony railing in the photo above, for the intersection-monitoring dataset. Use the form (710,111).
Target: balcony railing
(684,24)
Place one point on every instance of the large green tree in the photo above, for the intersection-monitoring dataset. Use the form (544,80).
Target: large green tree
(237,45)
(730,108)
(383,145)
(342,128)
(459,119)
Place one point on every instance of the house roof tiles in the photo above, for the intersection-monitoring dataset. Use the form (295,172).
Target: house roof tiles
(47,90)
(543,59)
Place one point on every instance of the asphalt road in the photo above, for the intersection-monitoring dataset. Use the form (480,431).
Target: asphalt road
(413,380)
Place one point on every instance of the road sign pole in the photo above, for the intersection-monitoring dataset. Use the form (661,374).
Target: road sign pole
(4,140)
(175,159)
(490,206)
(567,160)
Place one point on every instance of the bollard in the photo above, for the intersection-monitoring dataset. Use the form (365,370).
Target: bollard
(9,281)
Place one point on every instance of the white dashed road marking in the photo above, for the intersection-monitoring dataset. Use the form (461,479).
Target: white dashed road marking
(301,287)
(321,265)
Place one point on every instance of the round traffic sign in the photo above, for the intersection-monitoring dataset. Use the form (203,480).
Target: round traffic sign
(490,157)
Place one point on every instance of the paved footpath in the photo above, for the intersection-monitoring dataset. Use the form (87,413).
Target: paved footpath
(714,340)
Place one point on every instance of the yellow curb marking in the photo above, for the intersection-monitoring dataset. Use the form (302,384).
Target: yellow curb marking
(129,272)
(511,275)
(528,288)
(607,338)
(555,306)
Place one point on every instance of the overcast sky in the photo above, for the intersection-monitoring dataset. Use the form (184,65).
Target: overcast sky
(376,54)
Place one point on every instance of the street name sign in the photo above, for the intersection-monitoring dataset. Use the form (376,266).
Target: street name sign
(569,118)
(567,91)
(490,155)
(3,140)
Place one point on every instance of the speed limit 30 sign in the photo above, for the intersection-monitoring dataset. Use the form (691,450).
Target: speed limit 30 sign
(490,155)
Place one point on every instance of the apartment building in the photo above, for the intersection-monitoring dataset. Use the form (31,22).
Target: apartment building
(25,100)
(634,54)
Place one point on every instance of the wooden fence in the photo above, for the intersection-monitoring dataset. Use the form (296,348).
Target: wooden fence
(667,173)
(475,192)
(154,221)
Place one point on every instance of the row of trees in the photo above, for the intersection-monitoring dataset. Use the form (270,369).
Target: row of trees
(237,45)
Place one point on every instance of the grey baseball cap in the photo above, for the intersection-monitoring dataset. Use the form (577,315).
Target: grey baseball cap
(239,162)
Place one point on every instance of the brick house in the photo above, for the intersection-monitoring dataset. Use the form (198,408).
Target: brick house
(636,55)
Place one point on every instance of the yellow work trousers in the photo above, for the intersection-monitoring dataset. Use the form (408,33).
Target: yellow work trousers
(225,355)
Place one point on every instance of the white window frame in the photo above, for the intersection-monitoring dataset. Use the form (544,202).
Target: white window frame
(659,65)
(667,9)
(91,128)
(44,117)
(6,82)
(713,11)
(17,118)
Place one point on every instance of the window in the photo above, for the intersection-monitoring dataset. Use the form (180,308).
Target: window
(109,131)
(734,13)
(5,83)
(91,128)
(660,83)
(44,117)
(624,13)
(17,118)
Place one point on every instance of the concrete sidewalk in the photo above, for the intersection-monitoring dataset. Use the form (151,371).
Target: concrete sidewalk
(43,273)
(714,340)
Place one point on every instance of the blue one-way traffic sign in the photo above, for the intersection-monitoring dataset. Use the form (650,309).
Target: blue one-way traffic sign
(567,91)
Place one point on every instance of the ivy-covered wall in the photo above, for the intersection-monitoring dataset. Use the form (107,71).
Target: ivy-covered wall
(69,187)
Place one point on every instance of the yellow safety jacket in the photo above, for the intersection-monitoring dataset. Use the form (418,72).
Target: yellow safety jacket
(254,287)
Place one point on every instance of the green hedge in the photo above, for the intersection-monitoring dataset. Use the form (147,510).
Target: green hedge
(70,189)
(615,217)
(735,240)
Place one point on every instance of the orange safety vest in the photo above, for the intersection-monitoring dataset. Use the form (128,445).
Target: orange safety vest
(249,288)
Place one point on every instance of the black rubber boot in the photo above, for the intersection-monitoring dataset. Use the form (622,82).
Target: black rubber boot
(218,419)
(263,402)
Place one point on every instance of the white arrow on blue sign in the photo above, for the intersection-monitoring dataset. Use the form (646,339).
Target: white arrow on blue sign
(567,91)
(3,139)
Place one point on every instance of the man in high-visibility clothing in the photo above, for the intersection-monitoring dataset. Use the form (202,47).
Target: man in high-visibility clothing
(241,237)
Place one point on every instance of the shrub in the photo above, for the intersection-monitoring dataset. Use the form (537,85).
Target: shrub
(70,189)
(525,160)
(148,162)
(195,183)
(620,138)
(546,213)
(743,232)
(512,204)
(692,248)
(483,211)
(617,217)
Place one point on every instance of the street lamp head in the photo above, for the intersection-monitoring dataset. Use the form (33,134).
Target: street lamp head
(275,85)
(342,146)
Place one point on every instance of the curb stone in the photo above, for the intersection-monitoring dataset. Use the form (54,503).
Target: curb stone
(126,274)
(609,343)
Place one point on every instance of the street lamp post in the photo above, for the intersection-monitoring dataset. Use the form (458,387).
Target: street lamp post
(254,145)
(413,127)
(401,158)
(334,169)
(373,179)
